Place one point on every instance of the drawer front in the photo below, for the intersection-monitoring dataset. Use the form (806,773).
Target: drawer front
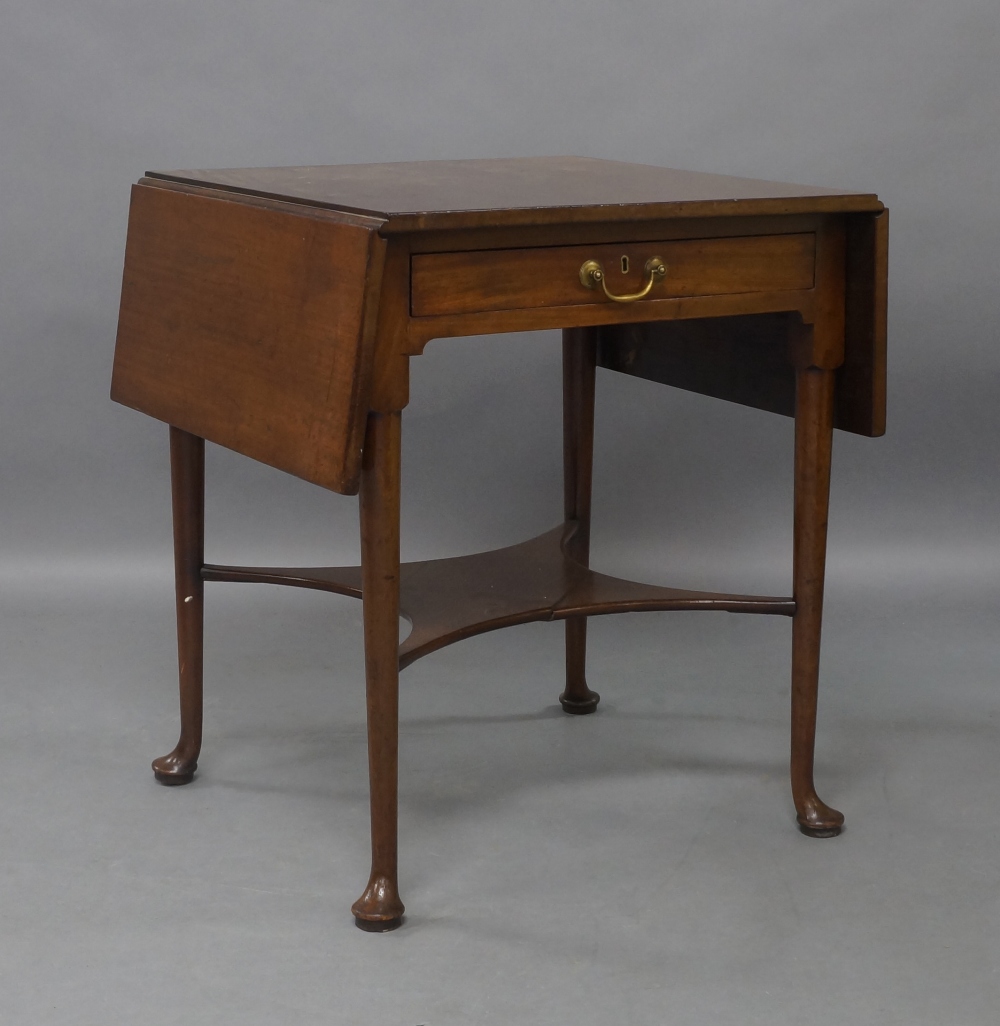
(517,279)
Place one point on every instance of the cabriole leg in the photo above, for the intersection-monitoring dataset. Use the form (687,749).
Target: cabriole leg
(579,368)
(813,444)
(187,479)
(379,908)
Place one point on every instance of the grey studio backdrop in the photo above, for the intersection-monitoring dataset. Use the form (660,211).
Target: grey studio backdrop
(639,866)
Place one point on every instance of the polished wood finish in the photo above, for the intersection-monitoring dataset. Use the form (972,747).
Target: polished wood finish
(579,353)
(813,446)
(187,476)
(859,397)
(526,192)
(449,600)
(744,359)
(251,328)
(379,907)
(519,279)
(424,329)
(276,311)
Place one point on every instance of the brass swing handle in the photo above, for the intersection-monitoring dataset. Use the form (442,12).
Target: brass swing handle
(592,275)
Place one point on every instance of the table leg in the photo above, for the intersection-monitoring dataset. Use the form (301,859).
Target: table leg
(579,368)
(379,908)
(813,444)
(187,479)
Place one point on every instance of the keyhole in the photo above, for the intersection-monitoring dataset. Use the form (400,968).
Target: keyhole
(624,265)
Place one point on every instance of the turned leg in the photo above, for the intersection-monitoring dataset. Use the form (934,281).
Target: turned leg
(187,479)
(579,366)
(379,908)
(813,443)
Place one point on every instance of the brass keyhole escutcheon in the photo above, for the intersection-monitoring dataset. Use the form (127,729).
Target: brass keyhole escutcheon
(624,265)
(592,275)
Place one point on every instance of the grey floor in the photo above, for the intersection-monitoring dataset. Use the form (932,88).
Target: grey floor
(640,866)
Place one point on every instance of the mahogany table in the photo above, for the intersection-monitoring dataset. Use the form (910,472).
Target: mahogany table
(275,311)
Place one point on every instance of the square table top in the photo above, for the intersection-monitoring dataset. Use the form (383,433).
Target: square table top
(449,194)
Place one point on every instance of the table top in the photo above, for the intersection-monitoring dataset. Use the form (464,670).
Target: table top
(271,309)
(448,194)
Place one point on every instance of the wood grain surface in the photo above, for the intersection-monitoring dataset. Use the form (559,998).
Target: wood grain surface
(744,359)
(534,191)
(276,310)
(252,328)
(511,279)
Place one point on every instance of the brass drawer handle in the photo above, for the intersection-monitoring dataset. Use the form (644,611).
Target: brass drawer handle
(592,275)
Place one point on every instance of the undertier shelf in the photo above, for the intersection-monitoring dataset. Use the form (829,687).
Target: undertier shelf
(447,600)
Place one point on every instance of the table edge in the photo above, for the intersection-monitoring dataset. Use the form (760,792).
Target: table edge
(400,222)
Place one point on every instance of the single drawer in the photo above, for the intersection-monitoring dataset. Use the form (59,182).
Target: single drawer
(517,279)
